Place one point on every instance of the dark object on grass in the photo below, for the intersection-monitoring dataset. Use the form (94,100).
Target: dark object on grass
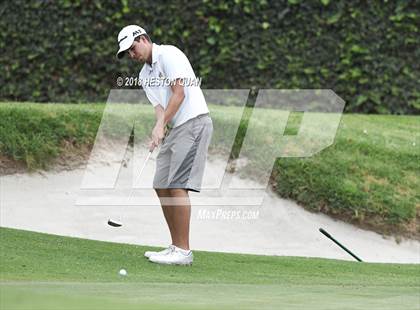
(339,244)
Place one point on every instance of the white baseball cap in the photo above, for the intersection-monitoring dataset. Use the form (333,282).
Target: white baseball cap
(126,38)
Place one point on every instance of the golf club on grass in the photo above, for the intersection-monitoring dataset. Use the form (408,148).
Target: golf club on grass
(339,244)
(118,223)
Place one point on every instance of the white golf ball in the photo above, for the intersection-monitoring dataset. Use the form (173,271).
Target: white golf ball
(123,272)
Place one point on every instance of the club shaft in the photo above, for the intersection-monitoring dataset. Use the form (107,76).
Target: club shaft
(110,222)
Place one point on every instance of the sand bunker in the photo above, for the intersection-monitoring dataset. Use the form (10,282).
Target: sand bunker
(54,203)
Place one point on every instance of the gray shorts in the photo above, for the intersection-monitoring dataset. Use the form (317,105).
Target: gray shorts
(182,156)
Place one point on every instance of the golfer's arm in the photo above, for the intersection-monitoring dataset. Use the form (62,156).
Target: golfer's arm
(175,102)
(160,115)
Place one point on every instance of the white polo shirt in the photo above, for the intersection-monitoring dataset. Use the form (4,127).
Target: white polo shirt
(170,63)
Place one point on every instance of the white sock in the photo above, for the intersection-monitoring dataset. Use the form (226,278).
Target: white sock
(184,252)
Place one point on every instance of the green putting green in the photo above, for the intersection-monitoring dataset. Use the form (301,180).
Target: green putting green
(40,271)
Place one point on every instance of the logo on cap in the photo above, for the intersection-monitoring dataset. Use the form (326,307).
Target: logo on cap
(137,32)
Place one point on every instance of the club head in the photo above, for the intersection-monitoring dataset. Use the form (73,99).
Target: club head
(114,223)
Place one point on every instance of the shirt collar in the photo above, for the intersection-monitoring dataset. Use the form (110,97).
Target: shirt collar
(155,55)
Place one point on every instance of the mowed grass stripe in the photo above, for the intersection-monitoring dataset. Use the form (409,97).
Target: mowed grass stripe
(42,257)
(203,296)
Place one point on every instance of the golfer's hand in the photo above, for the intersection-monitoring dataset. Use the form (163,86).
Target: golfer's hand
(158,134)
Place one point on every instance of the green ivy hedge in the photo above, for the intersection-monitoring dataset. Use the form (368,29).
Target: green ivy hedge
(366,51)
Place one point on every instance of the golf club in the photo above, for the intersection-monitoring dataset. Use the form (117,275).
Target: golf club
(118,223)
(339,244)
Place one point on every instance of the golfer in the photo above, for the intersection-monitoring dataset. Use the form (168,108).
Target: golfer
(170,85)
